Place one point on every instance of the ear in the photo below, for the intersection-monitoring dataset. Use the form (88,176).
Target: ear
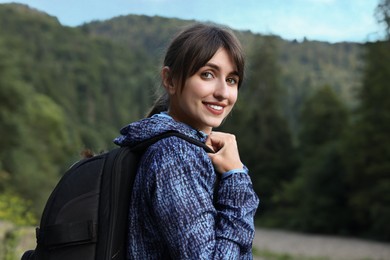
(167,80)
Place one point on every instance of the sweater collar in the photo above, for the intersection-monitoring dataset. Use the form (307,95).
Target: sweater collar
(141,130)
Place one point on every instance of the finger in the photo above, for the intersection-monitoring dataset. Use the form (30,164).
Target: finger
(209,143)
(217,141)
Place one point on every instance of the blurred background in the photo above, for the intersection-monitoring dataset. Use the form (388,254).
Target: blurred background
(312,118)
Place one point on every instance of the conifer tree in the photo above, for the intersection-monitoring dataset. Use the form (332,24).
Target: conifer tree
(383,16)
(315,201)
(368,146)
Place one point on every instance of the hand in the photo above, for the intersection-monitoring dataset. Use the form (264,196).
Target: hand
(226,156)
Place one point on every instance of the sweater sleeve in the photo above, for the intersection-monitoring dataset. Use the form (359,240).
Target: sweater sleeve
(236,206)
(193,223)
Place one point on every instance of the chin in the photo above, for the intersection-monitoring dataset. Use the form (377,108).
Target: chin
(215,124)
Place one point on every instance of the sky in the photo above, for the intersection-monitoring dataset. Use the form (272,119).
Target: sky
(322,20)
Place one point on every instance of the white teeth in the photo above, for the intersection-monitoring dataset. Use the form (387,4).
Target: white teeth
(216,107)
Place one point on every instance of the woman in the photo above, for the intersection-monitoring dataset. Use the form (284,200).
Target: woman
(187,204)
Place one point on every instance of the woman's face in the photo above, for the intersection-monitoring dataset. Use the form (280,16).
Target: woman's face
(208,96)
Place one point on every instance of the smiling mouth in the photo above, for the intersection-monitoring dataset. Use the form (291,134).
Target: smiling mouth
(215,107)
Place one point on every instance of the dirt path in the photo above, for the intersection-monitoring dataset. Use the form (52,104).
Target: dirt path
(334,248)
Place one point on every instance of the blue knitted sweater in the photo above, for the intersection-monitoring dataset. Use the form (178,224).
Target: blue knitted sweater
(178,208)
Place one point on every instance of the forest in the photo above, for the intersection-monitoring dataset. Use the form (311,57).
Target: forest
(312,120)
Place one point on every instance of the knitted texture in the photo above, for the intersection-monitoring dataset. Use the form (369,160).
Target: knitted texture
(179,209)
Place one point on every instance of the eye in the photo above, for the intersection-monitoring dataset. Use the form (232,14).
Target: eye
(232,81)
(207,75)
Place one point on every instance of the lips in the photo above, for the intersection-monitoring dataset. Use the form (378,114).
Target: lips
(216,109)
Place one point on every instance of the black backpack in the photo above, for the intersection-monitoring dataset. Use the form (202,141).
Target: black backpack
(86,215)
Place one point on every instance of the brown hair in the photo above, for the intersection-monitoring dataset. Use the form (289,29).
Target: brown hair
(191,49)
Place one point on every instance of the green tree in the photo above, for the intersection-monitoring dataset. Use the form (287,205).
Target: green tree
(368,147)
(323,119)
(17,210)
(35,140)
(315,201)
(43,146)
(382,14)
(12,97)
(367,152)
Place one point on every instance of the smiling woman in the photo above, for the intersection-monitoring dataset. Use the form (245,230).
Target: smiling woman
(186,203)
(208,96)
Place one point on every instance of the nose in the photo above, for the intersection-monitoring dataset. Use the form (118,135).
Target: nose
(221,90)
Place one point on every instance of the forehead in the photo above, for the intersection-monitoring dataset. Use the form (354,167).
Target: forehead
(223,60)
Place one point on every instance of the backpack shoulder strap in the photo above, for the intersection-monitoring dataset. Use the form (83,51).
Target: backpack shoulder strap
(145,144)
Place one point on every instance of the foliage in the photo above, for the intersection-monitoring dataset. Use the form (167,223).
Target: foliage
(316,199)
(383,16)
(309,65)
(15,240)
(367,151)
(16,210)
(60,92)
(323,120)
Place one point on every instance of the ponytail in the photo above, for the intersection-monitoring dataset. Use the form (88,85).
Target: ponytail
(160,105)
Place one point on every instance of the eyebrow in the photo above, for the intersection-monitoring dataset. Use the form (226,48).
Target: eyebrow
(216,67)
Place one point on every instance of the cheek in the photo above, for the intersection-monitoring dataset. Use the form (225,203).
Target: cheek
(233,97)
